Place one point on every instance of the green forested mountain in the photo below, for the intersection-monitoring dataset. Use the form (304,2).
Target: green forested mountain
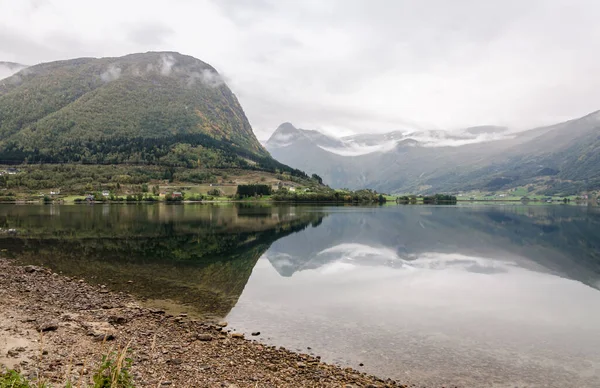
(159,108)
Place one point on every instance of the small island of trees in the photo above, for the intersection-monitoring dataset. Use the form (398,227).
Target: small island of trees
(436,199)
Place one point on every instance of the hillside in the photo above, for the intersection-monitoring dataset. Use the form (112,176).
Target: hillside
(159,108)
(559,159)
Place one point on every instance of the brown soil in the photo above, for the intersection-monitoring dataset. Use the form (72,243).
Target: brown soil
(167,351)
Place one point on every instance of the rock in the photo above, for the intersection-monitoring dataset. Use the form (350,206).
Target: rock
(116,320)
(175,361)
(361,364)
(166,383)
(255,333)
(32,269)
(301,365)
(12,353)
(222,324)
(48,326)
(237,335)
(102,337)
(204,337)
(157,311)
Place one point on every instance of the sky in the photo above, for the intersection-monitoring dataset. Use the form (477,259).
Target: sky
(347,66)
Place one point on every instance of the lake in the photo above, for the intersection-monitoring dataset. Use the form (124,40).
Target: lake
(476,296)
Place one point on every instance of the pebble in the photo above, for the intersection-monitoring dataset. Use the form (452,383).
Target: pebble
(101,337)
(32,269)
(48,326)
(255,333)
(204,337)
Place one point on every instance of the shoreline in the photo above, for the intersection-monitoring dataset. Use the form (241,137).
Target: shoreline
(80,323)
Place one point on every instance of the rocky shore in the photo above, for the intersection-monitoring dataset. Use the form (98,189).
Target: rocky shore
(54,328)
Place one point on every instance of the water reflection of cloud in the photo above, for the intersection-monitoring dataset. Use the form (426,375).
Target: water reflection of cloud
(361,255)
(455,261)
(352,255)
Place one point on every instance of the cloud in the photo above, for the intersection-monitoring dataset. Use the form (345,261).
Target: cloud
(8,68)
(149,34)
(207,77)
(166,64)
(346,66)
(112,73)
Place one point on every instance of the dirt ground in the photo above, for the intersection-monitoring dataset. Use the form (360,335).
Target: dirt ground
(54,329)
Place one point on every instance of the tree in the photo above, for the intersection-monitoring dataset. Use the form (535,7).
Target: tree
(317,178)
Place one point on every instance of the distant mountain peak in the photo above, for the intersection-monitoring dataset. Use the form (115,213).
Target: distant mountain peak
(286,127)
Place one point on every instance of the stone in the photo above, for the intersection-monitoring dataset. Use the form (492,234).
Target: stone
(237,335)
(175,361)
(117,320)
(32,269)
(204,337)
(166,383)
(12,353)
(255,333)
(301,365)
(48,326)
(222,324)
(102,337)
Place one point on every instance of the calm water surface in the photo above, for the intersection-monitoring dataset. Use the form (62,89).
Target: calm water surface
(488,296)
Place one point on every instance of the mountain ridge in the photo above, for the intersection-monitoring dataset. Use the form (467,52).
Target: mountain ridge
(428,161)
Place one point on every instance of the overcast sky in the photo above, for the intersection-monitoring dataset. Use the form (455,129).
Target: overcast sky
(347,66)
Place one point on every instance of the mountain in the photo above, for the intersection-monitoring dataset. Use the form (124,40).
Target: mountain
(563,158)
(9,68)
(156,107)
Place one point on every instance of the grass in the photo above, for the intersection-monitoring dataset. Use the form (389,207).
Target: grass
(13,379)
(113,372)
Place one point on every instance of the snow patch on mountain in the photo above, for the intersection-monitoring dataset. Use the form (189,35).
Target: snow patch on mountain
(364,144)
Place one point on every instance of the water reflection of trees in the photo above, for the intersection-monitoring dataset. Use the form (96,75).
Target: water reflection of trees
(201,256)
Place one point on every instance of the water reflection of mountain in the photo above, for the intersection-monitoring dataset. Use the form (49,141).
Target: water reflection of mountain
(560,239)
(197,255)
